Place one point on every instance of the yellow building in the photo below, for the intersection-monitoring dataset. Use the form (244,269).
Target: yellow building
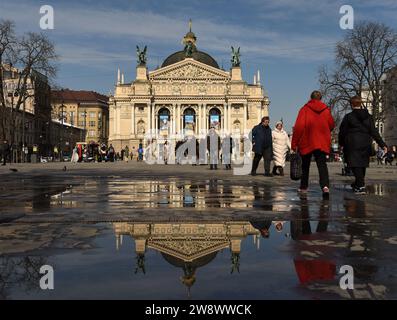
(88,110)
(187,95)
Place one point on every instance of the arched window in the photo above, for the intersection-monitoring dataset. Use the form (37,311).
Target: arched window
(214,119)
(163,123)
(189,120)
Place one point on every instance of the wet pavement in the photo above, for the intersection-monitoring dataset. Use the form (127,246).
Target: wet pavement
(132,231)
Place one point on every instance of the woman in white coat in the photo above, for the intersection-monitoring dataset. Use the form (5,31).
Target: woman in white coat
(281,145)
(75,155)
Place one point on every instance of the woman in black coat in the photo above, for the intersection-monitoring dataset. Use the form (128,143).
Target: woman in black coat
(355,136)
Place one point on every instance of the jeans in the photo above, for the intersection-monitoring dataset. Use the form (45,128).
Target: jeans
(359,174)
(321,161)
(267,158)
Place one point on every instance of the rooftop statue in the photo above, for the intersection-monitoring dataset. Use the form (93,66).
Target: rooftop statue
(141,56)
(235,57)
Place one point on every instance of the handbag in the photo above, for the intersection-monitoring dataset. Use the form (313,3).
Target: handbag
(295,166)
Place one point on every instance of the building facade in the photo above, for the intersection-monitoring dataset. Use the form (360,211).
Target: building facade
(88,110)
(186,96)
(390,107)
(26,117)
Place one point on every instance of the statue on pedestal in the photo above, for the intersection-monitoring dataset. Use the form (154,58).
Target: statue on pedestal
(235,57)
(141,56)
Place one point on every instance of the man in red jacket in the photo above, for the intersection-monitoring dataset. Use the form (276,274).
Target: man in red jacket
(312,136)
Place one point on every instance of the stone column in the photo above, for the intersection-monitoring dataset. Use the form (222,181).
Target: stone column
(229,120)
(259,113)
(149,117)
(154,128)
(178,118)
(225,117)
(244,117)
(133,119)
(205,118)
(199,120)
(117,120)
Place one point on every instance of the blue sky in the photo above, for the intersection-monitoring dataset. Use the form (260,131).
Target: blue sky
(287,40)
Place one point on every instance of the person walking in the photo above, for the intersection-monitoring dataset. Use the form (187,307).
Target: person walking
(126,153)
(111,153)
(213,147)
(75,155)
(379,155)
(389,157)
(5,151)
(166,150)
(281,145)
(312,137)
(262,146)
(356,133)
(227,151)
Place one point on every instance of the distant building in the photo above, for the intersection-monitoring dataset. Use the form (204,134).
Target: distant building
(88,110)
(32,119)
(189,94)
(390,106)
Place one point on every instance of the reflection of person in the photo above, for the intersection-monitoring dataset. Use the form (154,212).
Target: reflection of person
(281,145)
(262,144)
(312,137)
(278,225)
(355,136)
(263,226)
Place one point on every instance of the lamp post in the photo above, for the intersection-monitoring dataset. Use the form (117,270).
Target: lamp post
(62,118)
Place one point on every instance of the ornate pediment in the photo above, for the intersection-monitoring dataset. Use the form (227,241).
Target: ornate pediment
(189,69)
(188,250)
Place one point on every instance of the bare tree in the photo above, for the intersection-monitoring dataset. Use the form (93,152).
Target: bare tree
(361,60)
(29,56)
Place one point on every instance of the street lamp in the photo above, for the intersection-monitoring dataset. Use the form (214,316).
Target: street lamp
(61,118)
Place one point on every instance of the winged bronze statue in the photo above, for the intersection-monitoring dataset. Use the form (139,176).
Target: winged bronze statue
(235,57)
(141,56)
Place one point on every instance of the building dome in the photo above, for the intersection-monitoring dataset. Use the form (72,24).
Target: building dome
(196,55)
(189,40)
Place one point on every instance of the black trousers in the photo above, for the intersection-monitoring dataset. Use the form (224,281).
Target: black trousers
(321,161)
(267,158)
(359,174)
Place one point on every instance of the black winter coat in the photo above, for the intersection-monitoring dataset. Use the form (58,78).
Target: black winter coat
(356,133)
(262,138)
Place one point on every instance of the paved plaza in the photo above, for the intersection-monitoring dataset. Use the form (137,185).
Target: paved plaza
(182,231)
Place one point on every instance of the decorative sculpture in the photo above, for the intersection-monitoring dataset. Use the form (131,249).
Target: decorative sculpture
(141,56)
(235,57)
(189,49)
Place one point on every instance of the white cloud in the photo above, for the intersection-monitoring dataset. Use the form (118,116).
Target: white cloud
(112,25)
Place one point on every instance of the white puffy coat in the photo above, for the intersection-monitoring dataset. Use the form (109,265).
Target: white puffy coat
(281,144)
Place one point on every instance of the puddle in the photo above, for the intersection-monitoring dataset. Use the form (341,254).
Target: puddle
(247,241)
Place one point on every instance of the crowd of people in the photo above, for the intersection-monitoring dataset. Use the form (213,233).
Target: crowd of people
(311,138)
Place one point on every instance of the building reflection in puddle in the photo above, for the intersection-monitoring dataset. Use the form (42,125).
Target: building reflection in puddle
(186,245)
(212,193)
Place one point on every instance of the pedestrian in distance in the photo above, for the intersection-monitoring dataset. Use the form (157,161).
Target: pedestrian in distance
(227,151)
(356,133)
(262,146)
(166,150)
(213,147)
(5,152)
(281,145)
(312,137)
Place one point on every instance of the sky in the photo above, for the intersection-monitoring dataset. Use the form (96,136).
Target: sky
(287,40)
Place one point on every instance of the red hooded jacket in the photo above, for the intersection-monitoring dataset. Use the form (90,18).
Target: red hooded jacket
(312,129)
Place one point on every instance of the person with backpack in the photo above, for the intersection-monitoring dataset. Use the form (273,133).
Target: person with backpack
(356,133)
